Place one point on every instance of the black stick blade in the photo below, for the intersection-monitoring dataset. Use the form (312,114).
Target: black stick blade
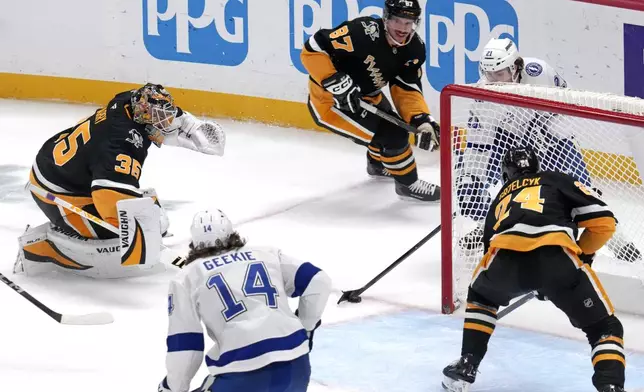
(352,296)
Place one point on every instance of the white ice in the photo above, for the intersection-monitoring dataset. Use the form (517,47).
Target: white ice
(308,193)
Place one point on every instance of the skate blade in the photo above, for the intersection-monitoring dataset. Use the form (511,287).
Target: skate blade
(418,201)
(452,385)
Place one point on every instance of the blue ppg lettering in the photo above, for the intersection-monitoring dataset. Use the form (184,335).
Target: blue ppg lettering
(197,31)
(457,31)
(306,17)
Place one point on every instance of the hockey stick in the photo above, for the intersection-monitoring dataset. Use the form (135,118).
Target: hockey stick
(513,306)
(354,295)
(386,116)
(174,258)
(70,319)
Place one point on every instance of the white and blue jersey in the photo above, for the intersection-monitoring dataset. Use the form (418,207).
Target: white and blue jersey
(490,131)
(242,299)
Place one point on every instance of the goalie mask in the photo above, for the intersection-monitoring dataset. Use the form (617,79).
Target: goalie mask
(401,19)
(518,161)
(154,106)
(500,62)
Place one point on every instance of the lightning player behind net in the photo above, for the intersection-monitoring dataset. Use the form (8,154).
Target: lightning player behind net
(488,137)
(530,244)
(240,294)
(95,165)
(355,61)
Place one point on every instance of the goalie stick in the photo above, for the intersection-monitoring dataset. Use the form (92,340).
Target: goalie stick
(70,319)
(168,256)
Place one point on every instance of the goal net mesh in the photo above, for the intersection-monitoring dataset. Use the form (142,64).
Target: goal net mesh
(600,153)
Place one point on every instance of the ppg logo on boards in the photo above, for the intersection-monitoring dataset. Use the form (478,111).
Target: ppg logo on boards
(456,33)
(197,31)
(306,17)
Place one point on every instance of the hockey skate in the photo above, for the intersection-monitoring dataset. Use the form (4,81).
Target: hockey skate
(378,171)
(472,240)
(419,190)
(459,375)
(611,388)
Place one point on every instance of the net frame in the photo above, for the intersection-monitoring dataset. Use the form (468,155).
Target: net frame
(448,300)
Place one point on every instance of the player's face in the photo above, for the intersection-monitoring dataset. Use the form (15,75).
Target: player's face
(400,29)
(503,76)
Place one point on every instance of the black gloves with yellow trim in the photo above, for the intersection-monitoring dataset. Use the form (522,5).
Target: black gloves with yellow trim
(429,131)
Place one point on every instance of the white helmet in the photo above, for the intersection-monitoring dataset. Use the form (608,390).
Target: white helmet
(500,54)
(208,227)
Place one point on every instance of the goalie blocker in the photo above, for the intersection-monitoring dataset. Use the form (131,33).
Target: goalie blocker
(135,252)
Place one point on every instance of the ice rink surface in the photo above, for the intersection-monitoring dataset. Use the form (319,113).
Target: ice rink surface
(309,194)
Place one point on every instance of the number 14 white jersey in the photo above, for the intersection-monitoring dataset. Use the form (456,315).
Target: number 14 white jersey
(242,299)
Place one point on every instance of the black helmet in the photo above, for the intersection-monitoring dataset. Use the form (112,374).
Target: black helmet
(519,160)
(408,9)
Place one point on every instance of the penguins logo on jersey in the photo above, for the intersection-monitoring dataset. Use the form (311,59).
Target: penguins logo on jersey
(533,69)
(372,30)
(135,138)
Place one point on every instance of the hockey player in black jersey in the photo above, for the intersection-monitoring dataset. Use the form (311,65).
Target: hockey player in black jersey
(355,61)
(530,243)
(95,165)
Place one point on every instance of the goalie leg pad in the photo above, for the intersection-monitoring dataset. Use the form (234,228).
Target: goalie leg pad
(164,221)
(136,252)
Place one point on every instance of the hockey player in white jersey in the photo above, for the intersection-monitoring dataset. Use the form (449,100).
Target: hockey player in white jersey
(240,293)
(488,137)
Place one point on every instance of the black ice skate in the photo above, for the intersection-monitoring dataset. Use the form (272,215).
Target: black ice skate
(419,190)
(472,240)
(610,388)
(378,171)
(459,375)
(629,253)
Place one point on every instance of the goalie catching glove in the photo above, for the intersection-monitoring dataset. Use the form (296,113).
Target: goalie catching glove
(206,137)
(346,95)
(428,134)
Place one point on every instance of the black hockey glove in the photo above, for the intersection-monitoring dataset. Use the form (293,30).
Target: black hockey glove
(429,132)
(540,296)
(346,94)
(311,332)
(587,259)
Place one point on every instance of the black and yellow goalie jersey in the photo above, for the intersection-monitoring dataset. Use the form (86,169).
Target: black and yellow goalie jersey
(98,161)
(544,209)
(360,49)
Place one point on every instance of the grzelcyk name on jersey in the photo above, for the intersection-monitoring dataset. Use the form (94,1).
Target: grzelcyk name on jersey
(135,138)
(125,232)
(372,30)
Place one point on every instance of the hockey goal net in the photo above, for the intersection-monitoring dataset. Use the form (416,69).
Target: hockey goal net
(595,137)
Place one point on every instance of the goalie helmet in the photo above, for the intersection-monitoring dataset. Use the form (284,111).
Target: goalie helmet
(154,106)
(210,229)
(401,19)
(500,61)
(519,160)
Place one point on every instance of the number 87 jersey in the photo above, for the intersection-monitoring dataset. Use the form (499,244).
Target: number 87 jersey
(242,299)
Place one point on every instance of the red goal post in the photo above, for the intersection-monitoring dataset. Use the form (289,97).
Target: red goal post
(450,137)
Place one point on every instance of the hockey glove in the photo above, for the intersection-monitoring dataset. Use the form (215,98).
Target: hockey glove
(346,95)
(428,134)
(163,386)
(189,132)
(540,296)
(587,259)
(311,332)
